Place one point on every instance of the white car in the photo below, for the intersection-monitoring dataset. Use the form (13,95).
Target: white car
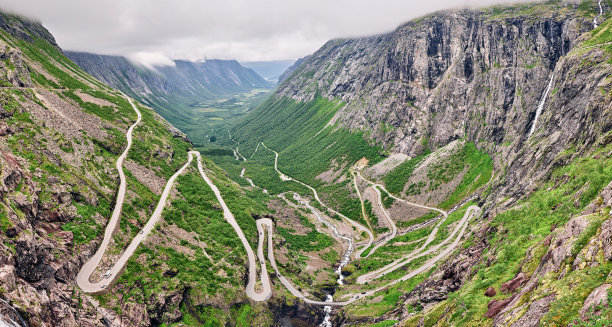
(108,274)
(103,286)
(142,232)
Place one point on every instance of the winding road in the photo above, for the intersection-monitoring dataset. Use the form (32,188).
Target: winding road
(363,211)
(256,289)
(83,278)
(269,226)
(390,222)
(457,234)
(84,275)
(316,195)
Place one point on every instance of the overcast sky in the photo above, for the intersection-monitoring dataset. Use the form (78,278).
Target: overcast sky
(154,31)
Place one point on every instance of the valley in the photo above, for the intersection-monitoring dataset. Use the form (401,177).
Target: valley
(456,171)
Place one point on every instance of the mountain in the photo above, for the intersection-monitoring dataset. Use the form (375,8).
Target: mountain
(270,70)
(181,93)
(505,108)
(291,69)
(456,171)
(83,167)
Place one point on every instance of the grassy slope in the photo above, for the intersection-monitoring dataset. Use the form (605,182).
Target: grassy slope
(306,146)
(525,228)
(194,209)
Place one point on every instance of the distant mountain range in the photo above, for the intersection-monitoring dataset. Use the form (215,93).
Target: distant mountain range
(270,70)
(175,92)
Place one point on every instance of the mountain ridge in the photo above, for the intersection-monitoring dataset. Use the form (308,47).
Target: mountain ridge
(396,176)
(182,92)
(478,77)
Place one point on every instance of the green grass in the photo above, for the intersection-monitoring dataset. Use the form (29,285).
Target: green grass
(386,323)
(290,127)
(198,211)
(551,205)
(84,227)
(397,178)
(311,242)
(387,200)
(480,168)
(304,153)
(4,221)
(602,34)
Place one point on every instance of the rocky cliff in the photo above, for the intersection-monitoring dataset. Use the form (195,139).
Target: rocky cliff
(530,86)
(473,74)
(465,68)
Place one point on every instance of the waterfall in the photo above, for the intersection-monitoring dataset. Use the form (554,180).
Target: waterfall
(327,309)
(541,105)
(346,258)
(597,17)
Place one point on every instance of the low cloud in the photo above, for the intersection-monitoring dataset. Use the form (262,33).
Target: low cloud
(152,31)
(150,59)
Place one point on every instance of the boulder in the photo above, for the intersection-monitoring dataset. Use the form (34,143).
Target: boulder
(514,284)
(491,292)
(495,306)
(5,129)
(7,278)
(135,314)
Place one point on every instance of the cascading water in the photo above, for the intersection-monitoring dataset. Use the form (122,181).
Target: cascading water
(327,309)
(346,258)
(541,104)
(595,24)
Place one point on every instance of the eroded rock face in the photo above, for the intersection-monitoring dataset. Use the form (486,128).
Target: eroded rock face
(30,261)
(495,306)
(135,315)
(598,296)
(513,284)
(605,237)
(7,278)
(17,73)
(444,65)
(536,310)
(299,314)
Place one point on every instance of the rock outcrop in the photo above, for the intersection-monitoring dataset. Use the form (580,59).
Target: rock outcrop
(473,74)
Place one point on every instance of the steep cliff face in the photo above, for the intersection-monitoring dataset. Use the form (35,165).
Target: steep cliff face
(473,74)
(530,86)
(442,77)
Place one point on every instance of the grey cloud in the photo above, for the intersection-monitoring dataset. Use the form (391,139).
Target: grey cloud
(246,30)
